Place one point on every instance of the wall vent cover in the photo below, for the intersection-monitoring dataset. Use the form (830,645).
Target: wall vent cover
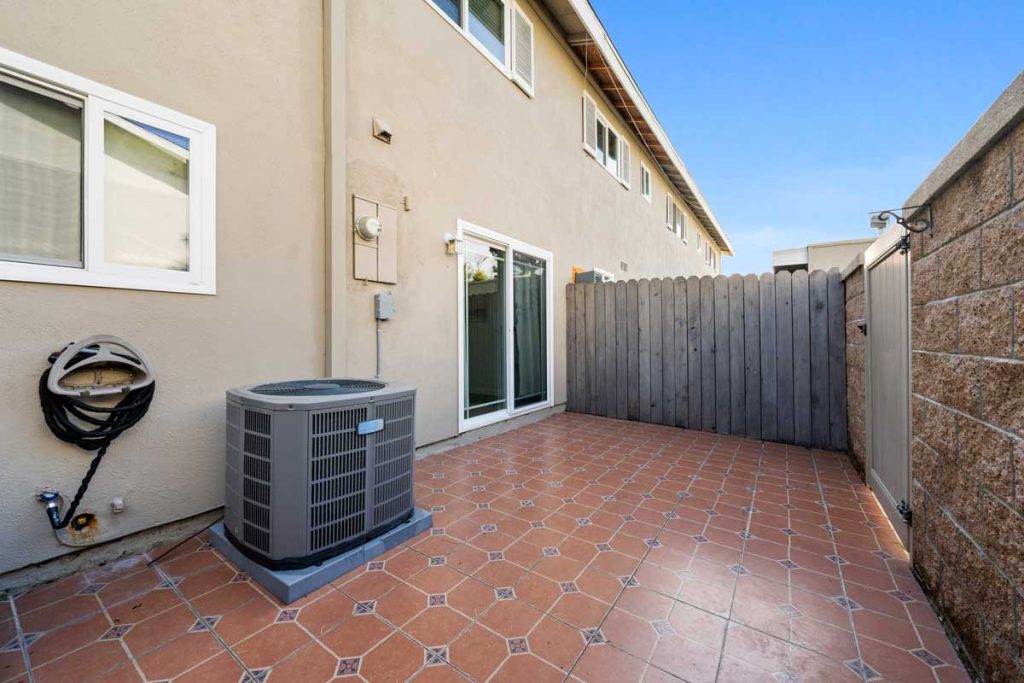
(315,467)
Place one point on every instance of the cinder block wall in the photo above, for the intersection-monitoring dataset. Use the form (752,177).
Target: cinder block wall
(967,455)
(855,347)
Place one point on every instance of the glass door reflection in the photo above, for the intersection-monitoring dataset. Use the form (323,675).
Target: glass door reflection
(485,281)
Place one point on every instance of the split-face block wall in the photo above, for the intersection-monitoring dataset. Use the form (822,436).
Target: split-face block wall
(967,387)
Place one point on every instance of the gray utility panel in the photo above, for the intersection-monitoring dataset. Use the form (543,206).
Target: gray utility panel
(316,467)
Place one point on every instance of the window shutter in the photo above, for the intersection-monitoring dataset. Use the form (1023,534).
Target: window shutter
(589,124)
(624,162)
(682,224)
(522,50)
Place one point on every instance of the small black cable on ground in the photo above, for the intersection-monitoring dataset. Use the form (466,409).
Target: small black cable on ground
(183,541)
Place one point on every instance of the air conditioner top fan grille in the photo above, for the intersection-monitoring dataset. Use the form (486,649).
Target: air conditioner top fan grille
(318,387)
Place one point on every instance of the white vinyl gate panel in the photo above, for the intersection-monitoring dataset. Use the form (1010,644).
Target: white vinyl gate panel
(888,384)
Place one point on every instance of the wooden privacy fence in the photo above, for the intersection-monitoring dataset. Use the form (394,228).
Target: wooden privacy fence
(762,357)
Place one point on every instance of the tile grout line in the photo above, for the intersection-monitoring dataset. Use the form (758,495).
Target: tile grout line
(22,646)
(839,566)
(622,590)
(743,549)
(199,617)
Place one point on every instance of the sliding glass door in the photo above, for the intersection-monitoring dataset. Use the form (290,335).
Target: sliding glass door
(505,327)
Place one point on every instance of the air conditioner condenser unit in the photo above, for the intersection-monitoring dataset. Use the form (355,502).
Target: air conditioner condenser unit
(316,467)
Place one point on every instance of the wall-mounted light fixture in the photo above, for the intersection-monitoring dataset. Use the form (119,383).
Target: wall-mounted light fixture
(880,221)
(454,244)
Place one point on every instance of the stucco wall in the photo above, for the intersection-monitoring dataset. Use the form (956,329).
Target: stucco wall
(968,404)
(834,254)
(469,144)
(253,69)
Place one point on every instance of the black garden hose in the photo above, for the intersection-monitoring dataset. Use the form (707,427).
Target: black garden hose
(65,416)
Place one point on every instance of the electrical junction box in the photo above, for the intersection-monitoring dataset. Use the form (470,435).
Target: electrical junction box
(384,306)
(375,259)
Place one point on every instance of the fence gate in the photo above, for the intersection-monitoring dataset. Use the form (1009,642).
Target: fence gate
(887,315)
(756,356)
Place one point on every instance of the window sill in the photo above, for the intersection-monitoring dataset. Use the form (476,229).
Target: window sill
(58,275)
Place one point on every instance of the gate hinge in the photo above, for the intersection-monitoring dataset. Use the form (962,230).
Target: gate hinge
(905,512)
(863,327)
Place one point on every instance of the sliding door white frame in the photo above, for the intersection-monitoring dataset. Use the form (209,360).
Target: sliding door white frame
(511,246)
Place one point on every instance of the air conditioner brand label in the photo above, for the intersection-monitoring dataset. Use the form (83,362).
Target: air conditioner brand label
(369,427)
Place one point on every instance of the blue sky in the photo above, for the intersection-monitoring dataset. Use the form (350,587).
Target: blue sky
(798,118)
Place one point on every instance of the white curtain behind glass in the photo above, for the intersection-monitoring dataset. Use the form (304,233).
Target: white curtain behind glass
(40,177)
(530,330)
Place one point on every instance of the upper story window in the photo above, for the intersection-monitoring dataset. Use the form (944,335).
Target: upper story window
(675,218)
(101,188)
(645,183)
(500,30)
(603,142)
(711,257)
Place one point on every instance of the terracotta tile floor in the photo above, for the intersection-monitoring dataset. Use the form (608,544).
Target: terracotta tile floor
(579,548)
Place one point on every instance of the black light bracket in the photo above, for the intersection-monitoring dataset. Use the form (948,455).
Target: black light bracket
(880,219)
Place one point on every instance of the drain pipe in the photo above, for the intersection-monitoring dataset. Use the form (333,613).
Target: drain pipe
(380,334)
(383,309)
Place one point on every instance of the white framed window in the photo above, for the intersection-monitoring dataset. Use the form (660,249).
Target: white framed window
(604,143)
(603,275)
(506,323)
(645,182)
(500,30)
(101,188)
(675,218)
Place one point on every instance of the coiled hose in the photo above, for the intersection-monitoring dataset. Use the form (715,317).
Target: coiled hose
(66,415)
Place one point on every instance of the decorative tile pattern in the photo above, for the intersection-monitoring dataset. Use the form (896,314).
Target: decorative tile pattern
(207,623)
(738,570)
(927,657)
(348,666)
(438,531)
(789,564)
(550,552)
(375,566)
(584,521)
(170,582)
(495,555)
(483,506)
(437,600)
(92,589)
(788,532)
(836,559)
(537,524)
(901,596)
(863,670)
(438,561)
(507,593)
(364,607)
(240,577)
(119,631)
(569,587)
(435,656)
(603,547)
(517,646)
(593,636)
(628,581)
(701,539)
(844,601)
(663,628)
(790,611)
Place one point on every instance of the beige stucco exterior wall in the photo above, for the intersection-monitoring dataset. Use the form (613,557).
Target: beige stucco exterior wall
(834,254)
(469,144)
(253,69)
